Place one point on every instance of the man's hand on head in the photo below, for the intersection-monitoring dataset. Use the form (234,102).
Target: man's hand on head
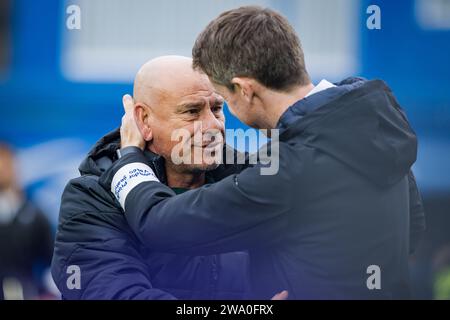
(130,136)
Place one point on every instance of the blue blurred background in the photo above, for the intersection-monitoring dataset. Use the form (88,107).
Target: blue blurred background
(61,89)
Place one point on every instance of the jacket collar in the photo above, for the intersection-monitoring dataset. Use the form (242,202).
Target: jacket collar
(312,102)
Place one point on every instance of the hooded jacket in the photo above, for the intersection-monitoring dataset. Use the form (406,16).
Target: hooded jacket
(97,256)
(337,221)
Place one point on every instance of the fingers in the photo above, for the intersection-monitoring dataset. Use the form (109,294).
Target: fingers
(128,103)
(129,132)
(283,295)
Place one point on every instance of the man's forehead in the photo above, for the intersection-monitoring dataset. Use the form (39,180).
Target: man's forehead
(199,94)
(195,92)
(178,86)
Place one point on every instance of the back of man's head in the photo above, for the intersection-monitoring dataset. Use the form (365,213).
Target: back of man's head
(251,42)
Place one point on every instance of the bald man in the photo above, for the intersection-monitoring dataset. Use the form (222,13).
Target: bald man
(96,254)
(171,97)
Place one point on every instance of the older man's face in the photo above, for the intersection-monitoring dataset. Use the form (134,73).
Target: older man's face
(195,110)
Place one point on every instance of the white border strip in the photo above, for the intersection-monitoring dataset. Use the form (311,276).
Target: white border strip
(128,177)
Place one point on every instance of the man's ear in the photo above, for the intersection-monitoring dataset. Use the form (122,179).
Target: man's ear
(244,87)
(142,117)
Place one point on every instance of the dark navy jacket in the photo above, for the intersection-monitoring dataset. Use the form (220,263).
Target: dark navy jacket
(94,236)
(343,201)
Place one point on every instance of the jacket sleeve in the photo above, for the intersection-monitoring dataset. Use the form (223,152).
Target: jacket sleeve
(94,259)
(416,214)
(239,212)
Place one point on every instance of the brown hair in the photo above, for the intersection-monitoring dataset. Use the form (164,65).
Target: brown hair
(251,42)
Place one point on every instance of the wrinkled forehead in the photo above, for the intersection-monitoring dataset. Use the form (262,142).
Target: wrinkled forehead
(192,89)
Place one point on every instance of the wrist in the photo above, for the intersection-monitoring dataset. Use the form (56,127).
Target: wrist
(127,173)
(127,150)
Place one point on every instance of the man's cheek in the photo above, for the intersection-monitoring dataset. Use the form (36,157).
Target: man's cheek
(162,145)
